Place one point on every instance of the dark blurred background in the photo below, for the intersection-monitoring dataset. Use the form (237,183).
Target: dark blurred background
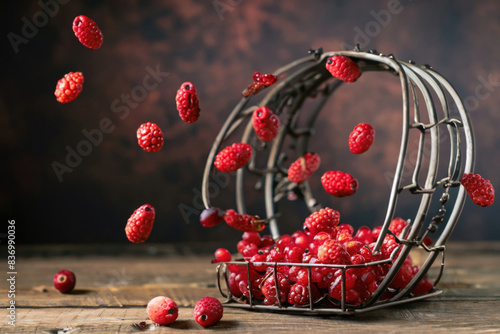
(217,45)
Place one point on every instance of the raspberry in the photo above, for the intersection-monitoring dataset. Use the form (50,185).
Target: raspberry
(265,123)
(208,311)
(388,246)
(87,31)
(233,157)
(269,289)
(323,220)
(150,137)
(187,102)
(139,225)
(397,225)
(332,252)
(361,138)
(303,167)
(221,255)
(211,217)
(479,189)
(343,68)
(64,281)
(299,294)
(162,310)
(244,222)
(298,275)
(339,184)
(69,87)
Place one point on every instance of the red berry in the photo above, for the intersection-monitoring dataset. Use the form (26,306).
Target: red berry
(211,217)
(265,123)
(361,138)
(69,87)
(480,190)
(339,184)
(299,294)
(424,286)
(222,255)
(233,285)
(269,289)
(87,31)
(303,167)
(343,68)
(64,281)
(233,157)
(244,222)
(162,310)
(208,311)
(247,249)
(332,252)
(261,81)
(323,220)
(299,275)
(140,223)
(187,102)
(397,226)
(252,237)
(365,235)
(150,137)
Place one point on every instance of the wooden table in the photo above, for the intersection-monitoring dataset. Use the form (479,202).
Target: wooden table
(114,284)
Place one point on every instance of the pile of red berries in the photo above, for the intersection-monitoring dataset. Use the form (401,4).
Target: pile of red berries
(322,244)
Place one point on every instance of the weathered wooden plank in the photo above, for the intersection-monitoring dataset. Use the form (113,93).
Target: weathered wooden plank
(113,289)
(421,317)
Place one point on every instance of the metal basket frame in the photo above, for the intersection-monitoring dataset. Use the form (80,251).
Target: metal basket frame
(421,86)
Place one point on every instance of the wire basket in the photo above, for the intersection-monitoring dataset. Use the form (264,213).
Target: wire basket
(423,91)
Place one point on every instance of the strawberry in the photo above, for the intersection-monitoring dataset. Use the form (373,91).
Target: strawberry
(323,220)
(265,123)
(244,222)
(480,190)
(339,184)
(343,68)
(361,138)
(64,281)
(233,157)
(162,310)
(87,31)
(140,223)
(150,137)
(303,167)
(69,87)
(187,102)
(208,311)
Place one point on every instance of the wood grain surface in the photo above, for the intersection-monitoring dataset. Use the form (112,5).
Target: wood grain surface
(113,288)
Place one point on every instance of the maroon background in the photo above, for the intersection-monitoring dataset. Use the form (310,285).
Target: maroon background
(218,53)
